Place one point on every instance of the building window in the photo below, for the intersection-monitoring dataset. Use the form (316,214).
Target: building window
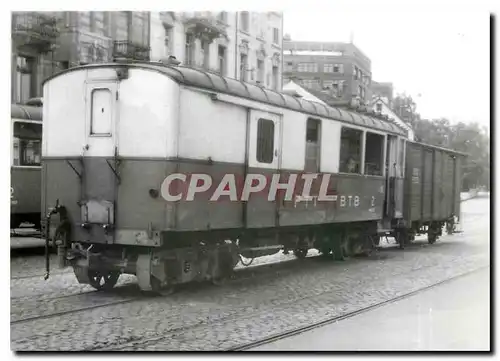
(63,65)
(222,60)
(374,154)
(312,145)
(97,22)
(27,144)
(243,67)
(245,21)
(379,107)
(189,49)
(260,72)
(205,54)
(138,28)
(265,141)
(25,79)
(222,17)
(168,40)
(350,150)
(355,72)
(276,85)
(308,67)
(338,68)
(328,68)
(276,35)
(327,84)
(310,83)
(288,66)
(338,87)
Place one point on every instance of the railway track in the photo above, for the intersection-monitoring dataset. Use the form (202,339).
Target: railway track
(40,275)
(299,330)
(62,313)
(234,316)
(75,310)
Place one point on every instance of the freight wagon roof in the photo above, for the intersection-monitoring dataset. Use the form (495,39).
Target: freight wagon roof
(440,148)
(26,112)
(217,83)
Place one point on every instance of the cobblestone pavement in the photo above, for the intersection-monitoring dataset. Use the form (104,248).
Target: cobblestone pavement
(203,317)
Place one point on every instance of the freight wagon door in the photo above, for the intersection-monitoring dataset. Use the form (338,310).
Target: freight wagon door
(100,175)
(448,183)
(263,159)
(427,185)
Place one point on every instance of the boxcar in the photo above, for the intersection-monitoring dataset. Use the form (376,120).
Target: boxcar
(432,189)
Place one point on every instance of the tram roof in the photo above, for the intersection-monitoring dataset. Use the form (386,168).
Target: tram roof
(26,112)
(214,82)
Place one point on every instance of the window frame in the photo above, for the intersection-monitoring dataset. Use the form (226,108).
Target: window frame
(383,155)
(263,160)
(362,150)
(318,142)
(12,144)
(276,36)
(245,15)
(91,132)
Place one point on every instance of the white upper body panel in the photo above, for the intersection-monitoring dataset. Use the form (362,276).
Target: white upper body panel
(64,115)
(89,112)
(149,109)
(209,129)
(148,115)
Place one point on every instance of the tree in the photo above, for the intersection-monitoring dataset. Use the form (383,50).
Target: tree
(469,138)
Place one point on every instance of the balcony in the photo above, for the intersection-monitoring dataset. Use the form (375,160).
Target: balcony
(204,26)
(34,30)
(125,49)
(197,65)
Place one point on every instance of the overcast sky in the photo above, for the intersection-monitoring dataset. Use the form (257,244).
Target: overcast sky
(444,57)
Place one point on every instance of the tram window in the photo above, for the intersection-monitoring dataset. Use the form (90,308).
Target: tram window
(374,154)
(402,157)
(350,150)
(265,141)
(312,145)
(27,144)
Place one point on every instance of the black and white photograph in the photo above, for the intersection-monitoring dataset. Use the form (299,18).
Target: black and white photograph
(296,177)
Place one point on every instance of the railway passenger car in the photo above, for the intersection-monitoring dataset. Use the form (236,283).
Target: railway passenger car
(25,169)
(116,135)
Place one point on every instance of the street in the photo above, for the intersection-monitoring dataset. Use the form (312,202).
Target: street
(60,314)
(453,316)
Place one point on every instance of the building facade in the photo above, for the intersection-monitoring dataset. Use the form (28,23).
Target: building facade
(241,45)
(340,69)
(44,43)
(380,105)
(383,90)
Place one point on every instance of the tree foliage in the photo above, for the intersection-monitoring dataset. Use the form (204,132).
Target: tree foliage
(468,138)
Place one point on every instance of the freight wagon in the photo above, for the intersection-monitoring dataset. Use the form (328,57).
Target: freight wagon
(432,189)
